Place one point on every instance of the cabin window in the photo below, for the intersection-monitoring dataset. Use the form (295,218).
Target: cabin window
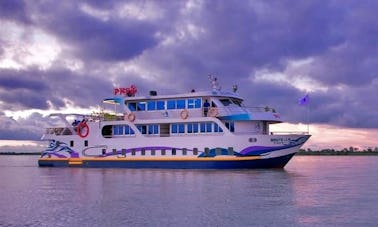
(225,102)
(230,125)
(184,151)
(230,151)
(203,127)
(71,143)
(133,151)
(237,102)
(128,130)
(174,128)
(132,106)
(142,129)
(190,128)
(153,129)
(171,104)
(181,128)
(208,127)
(141,106)
(173,151)
(143,151)
(122,130)
(217,128)
(117,129)
(191,104)
(160,105)
(153,152)
(194,103)
(198,103)
(85,143)
(195,127)
(162,151)
(181,104)
(151,105)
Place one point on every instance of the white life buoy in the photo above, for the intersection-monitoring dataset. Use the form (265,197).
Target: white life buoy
(184,114)
(131,117)
(213,112)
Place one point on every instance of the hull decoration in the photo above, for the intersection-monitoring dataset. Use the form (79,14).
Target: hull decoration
(196,130)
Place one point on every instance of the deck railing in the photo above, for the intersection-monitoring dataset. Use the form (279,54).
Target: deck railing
(176,113)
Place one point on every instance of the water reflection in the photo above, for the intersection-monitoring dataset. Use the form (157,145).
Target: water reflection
(309,191)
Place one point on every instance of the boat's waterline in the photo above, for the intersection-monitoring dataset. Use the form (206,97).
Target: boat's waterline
(219,162)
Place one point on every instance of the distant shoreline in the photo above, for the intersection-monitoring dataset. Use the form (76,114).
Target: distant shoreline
(20,153)
(343,153)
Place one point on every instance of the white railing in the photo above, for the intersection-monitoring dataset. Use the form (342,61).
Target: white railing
(58,131)
(289,132)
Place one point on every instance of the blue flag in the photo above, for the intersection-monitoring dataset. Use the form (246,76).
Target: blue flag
(305,100)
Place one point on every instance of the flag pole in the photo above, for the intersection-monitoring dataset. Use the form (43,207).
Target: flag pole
(308,118)
(306,101)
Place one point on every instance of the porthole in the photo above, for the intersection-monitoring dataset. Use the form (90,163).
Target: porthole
(252,140)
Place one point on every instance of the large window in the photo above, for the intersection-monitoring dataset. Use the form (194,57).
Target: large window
(180,104)
(122,130)
(195,127)
(194,103)
(181,128)
(225,102)
(151,105)
(230,125)
(152,129)
(170,104)
(217,128)
(160,105)
(132,106)
(141,106)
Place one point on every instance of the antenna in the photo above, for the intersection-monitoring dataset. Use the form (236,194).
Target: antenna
(214,83)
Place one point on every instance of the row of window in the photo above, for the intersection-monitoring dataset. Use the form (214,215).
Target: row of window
(201,127)
(169,104)
(176,128)
(173,151)
(122,130)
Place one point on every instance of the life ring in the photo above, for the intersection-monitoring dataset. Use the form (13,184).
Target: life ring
(184,114)
(213,112)
(131,117)
(80,129)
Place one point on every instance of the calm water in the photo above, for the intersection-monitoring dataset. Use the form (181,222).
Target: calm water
(310,191)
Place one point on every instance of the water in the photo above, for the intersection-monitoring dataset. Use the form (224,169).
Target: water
(310,191)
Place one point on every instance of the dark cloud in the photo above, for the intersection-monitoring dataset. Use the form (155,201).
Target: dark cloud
(187,41)
(14,10)
(114,39)
(21,130)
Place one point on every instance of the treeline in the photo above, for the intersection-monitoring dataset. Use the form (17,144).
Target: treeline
(20,153)
(344,151)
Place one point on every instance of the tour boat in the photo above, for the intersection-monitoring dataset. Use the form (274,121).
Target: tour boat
(195,130)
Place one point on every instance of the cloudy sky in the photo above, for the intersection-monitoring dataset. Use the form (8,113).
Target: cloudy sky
(64,55)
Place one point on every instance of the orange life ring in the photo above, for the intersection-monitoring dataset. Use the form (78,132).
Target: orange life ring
(131,117)
(80,127)
(184,114)
(213,112)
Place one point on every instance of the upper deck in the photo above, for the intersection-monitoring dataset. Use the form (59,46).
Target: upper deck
(219,104)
